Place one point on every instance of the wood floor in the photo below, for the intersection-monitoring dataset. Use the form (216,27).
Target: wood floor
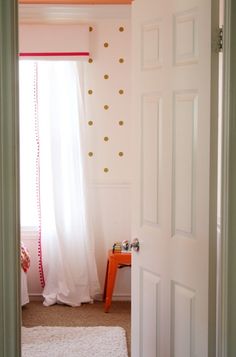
(35,314)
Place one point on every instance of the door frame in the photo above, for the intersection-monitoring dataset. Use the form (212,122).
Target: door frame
(10,311)
(227,280)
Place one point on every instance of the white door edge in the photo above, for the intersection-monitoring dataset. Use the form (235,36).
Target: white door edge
(222,308)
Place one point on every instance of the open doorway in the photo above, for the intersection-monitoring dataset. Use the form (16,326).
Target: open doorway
(105,88)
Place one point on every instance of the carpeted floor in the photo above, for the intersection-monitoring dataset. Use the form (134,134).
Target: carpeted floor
(35,314)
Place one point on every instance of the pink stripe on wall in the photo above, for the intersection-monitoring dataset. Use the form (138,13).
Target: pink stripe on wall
(53,54)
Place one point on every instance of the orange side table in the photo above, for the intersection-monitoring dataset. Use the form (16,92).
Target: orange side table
(115,260)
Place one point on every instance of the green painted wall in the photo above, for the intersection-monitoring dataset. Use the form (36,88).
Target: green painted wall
(10,318)
(232,189)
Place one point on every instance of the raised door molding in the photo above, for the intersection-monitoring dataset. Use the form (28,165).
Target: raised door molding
(10,311)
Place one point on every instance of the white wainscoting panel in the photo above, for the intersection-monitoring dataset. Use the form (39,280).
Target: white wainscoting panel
(111,215)
(111,207)
(184,151)
(30,239)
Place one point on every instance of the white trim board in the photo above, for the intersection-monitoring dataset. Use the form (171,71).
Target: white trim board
(71,13)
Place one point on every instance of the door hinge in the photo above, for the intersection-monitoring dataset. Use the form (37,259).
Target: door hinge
(220,39)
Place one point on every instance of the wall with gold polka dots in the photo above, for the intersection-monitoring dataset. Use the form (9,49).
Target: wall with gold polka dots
(107,98)
(107,87)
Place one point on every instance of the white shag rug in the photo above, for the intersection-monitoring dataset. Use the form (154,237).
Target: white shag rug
(45,341)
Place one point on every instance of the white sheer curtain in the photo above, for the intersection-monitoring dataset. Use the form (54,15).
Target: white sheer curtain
(68,255)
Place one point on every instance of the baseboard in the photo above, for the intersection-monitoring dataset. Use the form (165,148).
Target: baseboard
(35,297)
(115,297)
(121,297)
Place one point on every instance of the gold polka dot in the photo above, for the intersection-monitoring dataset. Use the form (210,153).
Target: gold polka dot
(90,60)
(106,44)
(121,60)
(90,122)
(121,29)
(121,122)
(106,107)
(90,28)
(106,76)
(121,153)
(105,169)
(121,91)
(90,154)
(105,138)
(90,92)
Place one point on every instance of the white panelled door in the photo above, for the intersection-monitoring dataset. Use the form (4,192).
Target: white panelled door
(172,115)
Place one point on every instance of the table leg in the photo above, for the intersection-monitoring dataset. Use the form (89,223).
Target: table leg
(105,284)
(111,277)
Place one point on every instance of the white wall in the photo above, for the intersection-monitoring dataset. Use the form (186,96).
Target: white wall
(111,190)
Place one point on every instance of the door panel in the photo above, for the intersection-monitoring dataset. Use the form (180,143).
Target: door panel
(150,303)
(172,78)
(151,114)
(185,111)
(182,320)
